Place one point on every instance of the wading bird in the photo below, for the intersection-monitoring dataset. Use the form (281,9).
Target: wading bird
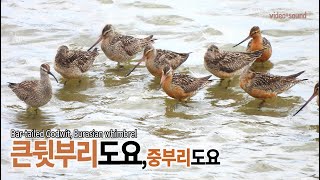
(226,64)
(264,85)
(156,59)
(35,93)
(72,64)
(180,86)
(257,43)
(118,47)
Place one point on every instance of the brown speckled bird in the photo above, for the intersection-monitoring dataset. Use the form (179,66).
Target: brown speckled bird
(72,64)
(315,93)
(118,47)
(257,43)
(156,59)
(35,93)
(226,64)
(265,85)
(180,86)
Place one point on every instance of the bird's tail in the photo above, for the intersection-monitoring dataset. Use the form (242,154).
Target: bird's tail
(204,81)
(207,79)
(95,52)
(296,75)
(258,53)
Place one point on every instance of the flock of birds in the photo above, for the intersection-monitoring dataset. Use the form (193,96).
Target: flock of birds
(72,64)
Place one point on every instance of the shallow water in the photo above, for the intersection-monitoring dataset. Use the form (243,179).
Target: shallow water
(266,143)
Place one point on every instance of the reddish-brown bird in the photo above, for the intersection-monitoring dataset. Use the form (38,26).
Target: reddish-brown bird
(258,43)
(265,85)
(180,86)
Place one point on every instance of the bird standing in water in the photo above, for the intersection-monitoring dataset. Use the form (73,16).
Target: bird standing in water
(264,85)
(180,86)
(35,93)
(257,43)
(315,93)
(156,59)
(120,48)
(226,64)
(72,64)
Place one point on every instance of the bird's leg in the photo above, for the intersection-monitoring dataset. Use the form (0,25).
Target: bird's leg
(175,105)
(220,83)
(228,83)
(120,66)
(261,104)
(65,82)
(184,103)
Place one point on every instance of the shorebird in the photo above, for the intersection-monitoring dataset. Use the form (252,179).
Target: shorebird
(265,85)
(180,86)
(35,93)
(315,93)
(156,59)
(72,64)
(226,64)
(118,47)
(257,43)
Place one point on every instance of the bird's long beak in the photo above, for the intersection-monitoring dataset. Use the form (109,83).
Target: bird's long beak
(313,95)
(100,38)
(135,67)
(242,41)
(163,78)
(53,76)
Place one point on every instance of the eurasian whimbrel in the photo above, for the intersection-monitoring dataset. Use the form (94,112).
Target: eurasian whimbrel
(35,93)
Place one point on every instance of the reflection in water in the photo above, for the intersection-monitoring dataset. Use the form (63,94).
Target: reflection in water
(172,134)
(38,119)
(177,109)
(262,67)
(228,83)
(223,97)
(77,85)
(71,90)
(155,84)
(275,107)
(315,128)
(115,76)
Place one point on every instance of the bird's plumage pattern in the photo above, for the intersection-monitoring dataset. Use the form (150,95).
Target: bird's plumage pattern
(73,63)
(35,93)
(265,42)
(267,84)
(23,89)
(120,48)
(188,83)
(227,64)
(175,59)
(181,86)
